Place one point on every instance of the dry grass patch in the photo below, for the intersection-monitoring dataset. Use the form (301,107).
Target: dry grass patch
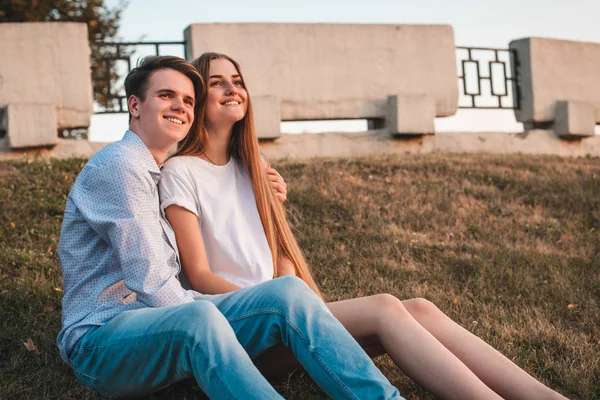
(507,246)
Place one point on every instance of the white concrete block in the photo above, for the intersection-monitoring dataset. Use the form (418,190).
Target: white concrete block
(31,125)
(411,115)
(574,119)
(267,116)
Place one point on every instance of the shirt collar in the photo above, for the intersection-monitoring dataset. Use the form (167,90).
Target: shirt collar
(132,140)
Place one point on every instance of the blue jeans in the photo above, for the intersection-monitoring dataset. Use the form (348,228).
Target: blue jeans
(214,338)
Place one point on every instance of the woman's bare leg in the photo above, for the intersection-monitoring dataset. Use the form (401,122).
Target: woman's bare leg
(499,373)
(494,369)
(420,355)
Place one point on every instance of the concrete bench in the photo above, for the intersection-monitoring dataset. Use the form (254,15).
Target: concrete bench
(560,85)
(45,75)
(404,75)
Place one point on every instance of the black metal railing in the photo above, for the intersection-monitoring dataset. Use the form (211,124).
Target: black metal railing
(492,83)
(487,77)
(109,92)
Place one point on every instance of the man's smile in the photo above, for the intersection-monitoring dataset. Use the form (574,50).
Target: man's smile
(174,120)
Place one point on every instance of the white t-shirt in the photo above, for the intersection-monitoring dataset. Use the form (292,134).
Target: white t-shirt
(223,199)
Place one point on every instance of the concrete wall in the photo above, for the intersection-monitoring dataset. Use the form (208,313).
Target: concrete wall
(338,71)
(537,142)
(554,71)
(376,143)
(47,63)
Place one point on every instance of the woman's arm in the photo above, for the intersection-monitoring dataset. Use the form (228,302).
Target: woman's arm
(193,253)
(285,266)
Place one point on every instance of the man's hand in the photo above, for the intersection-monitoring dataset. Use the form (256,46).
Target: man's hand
(278,184)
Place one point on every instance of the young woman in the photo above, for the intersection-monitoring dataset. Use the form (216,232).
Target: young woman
(246,240)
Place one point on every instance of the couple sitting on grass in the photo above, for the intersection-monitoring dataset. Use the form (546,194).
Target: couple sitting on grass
(193,271)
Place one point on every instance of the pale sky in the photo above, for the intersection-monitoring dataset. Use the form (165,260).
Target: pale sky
(483,23)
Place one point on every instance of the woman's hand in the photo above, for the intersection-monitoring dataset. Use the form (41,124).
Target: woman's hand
(278,184)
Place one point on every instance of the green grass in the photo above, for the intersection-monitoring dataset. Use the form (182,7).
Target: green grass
(507,246)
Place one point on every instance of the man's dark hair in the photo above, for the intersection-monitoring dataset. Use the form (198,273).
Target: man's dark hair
(136,82)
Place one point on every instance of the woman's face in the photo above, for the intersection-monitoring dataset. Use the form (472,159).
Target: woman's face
(227,99)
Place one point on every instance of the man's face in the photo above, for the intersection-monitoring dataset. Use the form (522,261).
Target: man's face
(167,113)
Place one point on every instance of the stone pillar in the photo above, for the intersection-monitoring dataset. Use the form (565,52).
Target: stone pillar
(573,119)
(267,117)
(30,125)
(411,115)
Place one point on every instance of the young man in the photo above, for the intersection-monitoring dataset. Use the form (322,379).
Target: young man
(129,328)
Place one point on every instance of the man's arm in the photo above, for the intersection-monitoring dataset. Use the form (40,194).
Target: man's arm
(278,184)
(120,203)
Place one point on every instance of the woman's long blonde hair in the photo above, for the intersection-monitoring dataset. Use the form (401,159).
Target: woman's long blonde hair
(243,145)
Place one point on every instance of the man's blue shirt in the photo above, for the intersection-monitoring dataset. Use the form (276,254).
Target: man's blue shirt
(117,251)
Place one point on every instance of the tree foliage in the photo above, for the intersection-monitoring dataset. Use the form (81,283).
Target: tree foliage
(102,22)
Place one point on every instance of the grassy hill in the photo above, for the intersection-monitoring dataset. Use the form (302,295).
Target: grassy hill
(507,246)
